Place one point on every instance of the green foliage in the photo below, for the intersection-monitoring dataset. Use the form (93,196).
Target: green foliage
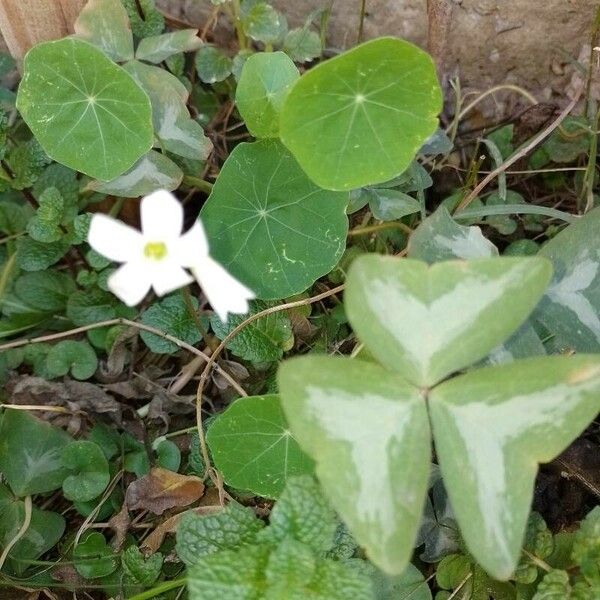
(76,357)
(141,570)
(253,448)
(89,468)
(212,65)
(586,547)
(149,23)
(92,556)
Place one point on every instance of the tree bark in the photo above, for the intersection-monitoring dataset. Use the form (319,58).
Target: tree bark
(24,23)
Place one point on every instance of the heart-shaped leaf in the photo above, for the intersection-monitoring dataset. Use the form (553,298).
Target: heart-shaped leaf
(252,446)
(571,307)
(368,431)
(360,118)
(428,322)
(492,427)
(269,225)
(91,474)
(86,112)
(265,81)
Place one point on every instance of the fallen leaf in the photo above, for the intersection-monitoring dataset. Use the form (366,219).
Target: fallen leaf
(119,523)
(162,489)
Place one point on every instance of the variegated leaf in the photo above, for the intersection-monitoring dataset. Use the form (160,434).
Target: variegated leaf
(367,430)
(571,307)
(428,322)
(157,48)
(492,427)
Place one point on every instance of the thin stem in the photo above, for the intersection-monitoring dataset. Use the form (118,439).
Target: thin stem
(165,586)
(361,24)
(514,209)
(208,339)
(22,531)
(237,23)
(498,88)
(197,183)
(380,227)
(538,561)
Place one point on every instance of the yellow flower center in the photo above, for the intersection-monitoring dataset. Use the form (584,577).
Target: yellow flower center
(155,250)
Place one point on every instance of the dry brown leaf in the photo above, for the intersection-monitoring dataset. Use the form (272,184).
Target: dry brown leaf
(120,523)
(161,490)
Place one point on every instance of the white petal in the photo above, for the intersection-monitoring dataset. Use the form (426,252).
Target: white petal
(130,283)
(168,276)
(191,247)
(224,292)
(113,239)
(161,216)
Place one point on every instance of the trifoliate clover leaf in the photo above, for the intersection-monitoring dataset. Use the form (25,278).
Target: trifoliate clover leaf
(263,340)
(139,569)
(586,547)
(77,357)
(229,529)
(538,544)
(302,513)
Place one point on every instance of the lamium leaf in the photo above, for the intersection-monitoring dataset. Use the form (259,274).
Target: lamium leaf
(105,24)
(361,117)
(253,448)
(269,225)
(368,431)
(157,48)
(492,427)
(571,307)
(265,81)
(86,112)
(428,322)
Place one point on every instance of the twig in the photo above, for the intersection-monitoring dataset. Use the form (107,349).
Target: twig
(520,153)
(22,531)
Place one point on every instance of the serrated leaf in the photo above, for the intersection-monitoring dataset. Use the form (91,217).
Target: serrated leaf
(37,256)
(75,357)
(361,455)
(144,18)
(177,131)
(439,238)
(291,565)
(154,171)
(172,316)
(554,586)
(501,422)
(44,226)
(91,474)
(157,48)
(73,97)
(264,83)
(262,194)
(302,513)
(411,316)
(105,24)
(91,306)
(30,454)
(45,290)
(263,340)
(538,543)
(571,306)
(253,448)
(26,161)
(586,547)
(142,570)
(370,109)
(233,527)
(64,180)
(212,65)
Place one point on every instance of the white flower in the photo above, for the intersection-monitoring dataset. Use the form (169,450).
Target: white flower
(157,257)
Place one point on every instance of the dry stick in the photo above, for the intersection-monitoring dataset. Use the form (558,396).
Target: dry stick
(221,347)
(22,531)
(519,153)
(121,321)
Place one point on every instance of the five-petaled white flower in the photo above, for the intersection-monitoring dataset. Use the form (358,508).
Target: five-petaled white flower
(158,256)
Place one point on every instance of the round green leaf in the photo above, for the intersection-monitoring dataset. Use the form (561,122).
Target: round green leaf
(69,355)
(253,448)
(265,81)
(91,471)
(93,557)
(86,112)
(269,225)
(361,117)
(212,65)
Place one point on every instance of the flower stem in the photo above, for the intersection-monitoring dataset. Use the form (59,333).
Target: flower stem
(200,184)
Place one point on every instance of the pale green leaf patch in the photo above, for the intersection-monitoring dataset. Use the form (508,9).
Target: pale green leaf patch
(360,118)
(501,422)
(85,111)
(426,322)
(157,48)
(363,426)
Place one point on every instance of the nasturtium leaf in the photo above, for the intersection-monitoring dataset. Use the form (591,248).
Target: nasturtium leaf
(89,471)
(176,130)
(154,171)
(426,322)
(44,531)
(439,237)
(570,308)
(367,430)
(157,48)
(360,118)
(302,44)
(105,24)
(92,556)
(492,427)
(45,290)
(235,526)
(262,22)
(302,513)
(86,112)
(30,454)
(263,340)
(253,448)
(212,65)
(269,225)
(76,357)
(265,81)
